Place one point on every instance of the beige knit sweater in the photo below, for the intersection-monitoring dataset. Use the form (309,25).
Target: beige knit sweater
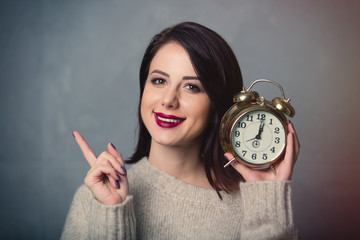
(163,207)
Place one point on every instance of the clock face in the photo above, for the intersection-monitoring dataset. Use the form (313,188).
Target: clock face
(258,137)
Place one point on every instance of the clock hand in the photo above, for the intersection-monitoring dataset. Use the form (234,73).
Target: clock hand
(261,128)
(257,137)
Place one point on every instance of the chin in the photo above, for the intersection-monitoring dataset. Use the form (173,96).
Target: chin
(166,141)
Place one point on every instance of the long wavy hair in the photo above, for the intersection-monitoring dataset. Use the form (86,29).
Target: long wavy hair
(219,72)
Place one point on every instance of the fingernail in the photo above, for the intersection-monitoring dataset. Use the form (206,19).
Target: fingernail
(117,184)
(73,134)
(123,169)
(226,158)
(118,175)
(113,146)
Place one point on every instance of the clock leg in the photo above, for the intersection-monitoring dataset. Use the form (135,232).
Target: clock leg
(230,162)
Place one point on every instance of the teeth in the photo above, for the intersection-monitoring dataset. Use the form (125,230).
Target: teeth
(168,120)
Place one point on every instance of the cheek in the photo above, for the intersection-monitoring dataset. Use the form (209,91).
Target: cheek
(143,106)
(145,100)
(145,111)
(201,111)
(149,101)
(150,95)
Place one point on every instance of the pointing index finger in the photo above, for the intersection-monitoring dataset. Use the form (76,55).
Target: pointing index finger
(88,153)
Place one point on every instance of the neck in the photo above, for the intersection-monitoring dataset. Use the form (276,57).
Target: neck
(182,162)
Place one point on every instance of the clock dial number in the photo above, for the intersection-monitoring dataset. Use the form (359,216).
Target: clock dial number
(261,116)
(249,118)
(277,130)
(255,136)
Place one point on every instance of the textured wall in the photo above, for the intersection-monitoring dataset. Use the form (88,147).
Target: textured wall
(73,65)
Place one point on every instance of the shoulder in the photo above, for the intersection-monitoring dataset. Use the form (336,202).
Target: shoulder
(141,166)
(83,195)
(137,174)
(138,170)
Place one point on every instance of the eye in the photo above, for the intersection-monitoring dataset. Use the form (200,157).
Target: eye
(192,88)
(158,81)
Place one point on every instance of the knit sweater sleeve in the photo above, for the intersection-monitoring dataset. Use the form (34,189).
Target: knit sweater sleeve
(267,209)
(89,219)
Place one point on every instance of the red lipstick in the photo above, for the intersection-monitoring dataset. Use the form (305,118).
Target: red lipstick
(167,121)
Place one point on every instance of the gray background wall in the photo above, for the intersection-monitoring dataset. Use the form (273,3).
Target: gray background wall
(73,65)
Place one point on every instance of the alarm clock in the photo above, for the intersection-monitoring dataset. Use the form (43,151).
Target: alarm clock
(254,130)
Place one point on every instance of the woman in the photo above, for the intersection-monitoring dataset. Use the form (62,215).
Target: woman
(178,188)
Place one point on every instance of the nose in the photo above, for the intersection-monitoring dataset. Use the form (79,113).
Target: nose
(171,98)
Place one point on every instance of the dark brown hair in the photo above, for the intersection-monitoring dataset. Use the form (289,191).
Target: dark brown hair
(219,73)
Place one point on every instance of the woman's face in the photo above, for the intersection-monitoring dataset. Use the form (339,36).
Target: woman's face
(174,107)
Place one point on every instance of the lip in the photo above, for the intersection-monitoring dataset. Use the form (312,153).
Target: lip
(167,121)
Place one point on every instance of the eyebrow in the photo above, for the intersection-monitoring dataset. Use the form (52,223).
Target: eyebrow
(160,72)
(167,75)
(191,78)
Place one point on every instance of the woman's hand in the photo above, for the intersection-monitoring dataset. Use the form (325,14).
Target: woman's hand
(106,178)
(282,169)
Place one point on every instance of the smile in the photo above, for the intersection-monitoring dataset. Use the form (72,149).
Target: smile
(167,121)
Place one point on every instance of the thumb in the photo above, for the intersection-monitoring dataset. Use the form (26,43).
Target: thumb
(115,153)
(112,150)
(245,171)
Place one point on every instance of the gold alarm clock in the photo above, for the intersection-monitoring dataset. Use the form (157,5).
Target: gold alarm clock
(254,130)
